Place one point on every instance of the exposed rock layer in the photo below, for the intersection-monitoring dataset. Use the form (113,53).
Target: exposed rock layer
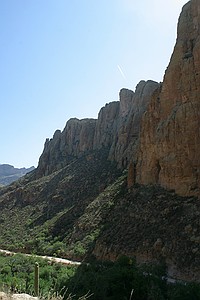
(116,129)
(170,135)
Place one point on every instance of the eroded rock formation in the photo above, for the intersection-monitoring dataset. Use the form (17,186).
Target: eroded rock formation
(116,129)
(125,142)
(170,135)
(76,138)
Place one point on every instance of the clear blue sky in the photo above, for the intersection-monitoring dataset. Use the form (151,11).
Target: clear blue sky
(62,59)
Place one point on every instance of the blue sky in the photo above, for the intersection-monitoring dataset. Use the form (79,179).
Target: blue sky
(62,59)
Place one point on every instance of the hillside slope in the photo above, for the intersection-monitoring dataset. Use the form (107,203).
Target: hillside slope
(35,211)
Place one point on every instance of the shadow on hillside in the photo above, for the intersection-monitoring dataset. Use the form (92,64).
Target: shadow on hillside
(123,280)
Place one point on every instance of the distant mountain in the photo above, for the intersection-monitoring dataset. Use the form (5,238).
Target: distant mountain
(8,173)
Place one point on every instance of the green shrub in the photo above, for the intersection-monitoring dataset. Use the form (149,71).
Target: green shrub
(102,280)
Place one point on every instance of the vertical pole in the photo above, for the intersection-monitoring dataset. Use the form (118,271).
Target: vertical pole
(36,282)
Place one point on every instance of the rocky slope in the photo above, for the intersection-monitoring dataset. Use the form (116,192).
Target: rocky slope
(152,225)
(170,135)
(8,173)
(85,210)
(48,207)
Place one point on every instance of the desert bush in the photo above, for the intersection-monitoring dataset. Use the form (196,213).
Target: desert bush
(97,280)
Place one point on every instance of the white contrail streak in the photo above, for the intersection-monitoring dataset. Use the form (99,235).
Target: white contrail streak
(122,73)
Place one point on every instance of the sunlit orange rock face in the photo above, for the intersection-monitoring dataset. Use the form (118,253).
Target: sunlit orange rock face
(170,136)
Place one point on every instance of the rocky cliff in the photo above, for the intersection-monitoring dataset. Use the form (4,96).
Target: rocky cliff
(170,134)
(116,129)
(75,140)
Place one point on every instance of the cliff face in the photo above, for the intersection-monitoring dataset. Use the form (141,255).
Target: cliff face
(170,132)
(116,129)
(170,135)
(118,123)
(76,138)
(125,142)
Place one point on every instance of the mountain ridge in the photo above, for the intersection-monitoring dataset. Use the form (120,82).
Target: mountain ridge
(9,173)
(117,121)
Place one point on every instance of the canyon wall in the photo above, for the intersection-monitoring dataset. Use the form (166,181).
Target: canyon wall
(116,129)
(154,130)
(170,134)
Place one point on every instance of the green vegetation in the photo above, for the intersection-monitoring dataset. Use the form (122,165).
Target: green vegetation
(121,280)
(44,216)
(25,228)
(17,274)
(83,209)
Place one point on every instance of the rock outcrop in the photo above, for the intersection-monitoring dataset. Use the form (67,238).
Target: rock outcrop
(4,296)
(170,134)
(116,129)
(125,142)
(76,139)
